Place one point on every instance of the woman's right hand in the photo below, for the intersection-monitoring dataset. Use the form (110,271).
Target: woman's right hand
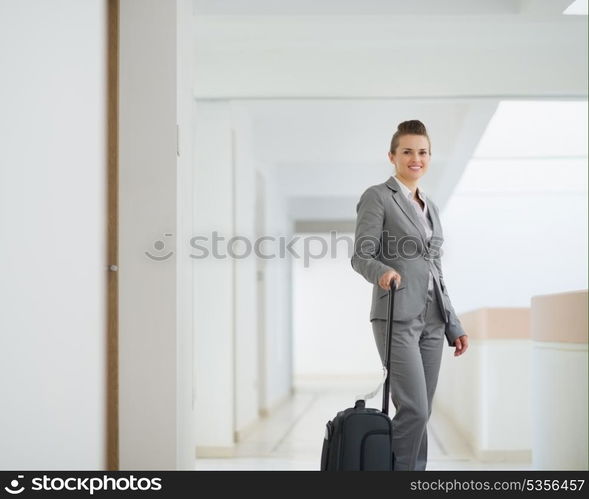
(385,280)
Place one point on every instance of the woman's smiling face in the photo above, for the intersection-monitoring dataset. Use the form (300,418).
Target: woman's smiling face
(411,157)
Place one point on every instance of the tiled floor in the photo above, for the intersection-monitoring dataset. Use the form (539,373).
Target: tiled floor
(291,438)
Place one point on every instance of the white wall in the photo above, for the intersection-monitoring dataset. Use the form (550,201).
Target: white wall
(155,374)
(214,278)
(225,299)
(332,332)
(228,388)
(278,292)
(512,246)
(516,225)
(247,385)
(52,217)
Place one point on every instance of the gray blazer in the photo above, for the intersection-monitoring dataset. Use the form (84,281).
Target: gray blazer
(389,236)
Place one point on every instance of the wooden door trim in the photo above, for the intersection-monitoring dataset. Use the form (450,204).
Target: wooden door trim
(112,368)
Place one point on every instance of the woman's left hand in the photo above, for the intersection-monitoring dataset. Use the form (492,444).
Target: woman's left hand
(461,344)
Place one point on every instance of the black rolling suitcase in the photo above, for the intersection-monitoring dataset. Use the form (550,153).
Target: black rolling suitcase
(360,438)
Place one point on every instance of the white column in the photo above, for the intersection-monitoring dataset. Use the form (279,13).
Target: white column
(154,328)
(559,373)
(214,280)
(184,223)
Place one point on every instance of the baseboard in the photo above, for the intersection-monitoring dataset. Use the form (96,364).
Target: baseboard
(503,456)
(266,412)
(248,429)
(203,452)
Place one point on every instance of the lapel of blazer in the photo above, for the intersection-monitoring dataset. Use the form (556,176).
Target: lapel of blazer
(432,215)
(405,206)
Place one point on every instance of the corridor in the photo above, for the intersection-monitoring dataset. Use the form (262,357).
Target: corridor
(180,185)
(291,438)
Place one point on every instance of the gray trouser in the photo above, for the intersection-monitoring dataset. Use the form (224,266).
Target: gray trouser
(416,352)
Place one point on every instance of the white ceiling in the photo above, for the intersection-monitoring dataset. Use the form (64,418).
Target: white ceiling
(342,145)
(359,48)
(326,82)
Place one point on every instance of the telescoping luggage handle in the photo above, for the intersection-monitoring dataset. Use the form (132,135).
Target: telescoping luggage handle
(385,381)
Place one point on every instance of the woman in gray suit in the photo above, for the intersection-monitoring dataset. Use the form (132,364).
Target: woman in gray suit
(399,236)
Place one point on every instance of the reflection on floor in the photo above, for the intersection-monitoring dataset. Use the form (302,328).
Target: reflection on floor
(291,438)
